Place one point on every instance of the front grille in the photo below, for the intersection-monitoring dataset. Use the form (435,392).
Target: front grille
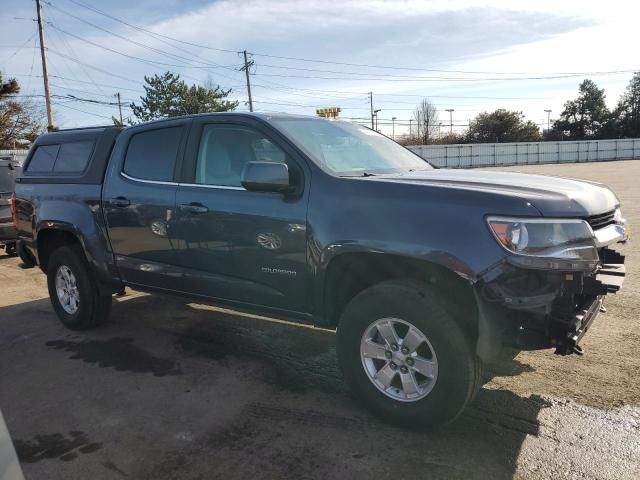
(600,221)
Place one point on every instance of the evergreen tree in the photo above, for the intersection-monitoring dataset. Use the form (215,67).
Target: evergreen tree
(502,126)
(626,116)
(584,117)
(168,96)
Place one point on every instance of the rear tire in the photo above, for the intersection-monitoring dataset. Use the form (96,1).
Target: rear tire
(74,290)
(445,354)
(10,249)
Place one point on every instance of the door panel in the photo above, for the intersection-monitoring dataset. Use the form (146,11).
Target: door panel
(238,245)
(139,204)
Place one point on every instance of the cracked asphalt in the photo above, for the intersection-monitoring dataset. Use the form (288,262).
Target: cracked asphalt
(175,390)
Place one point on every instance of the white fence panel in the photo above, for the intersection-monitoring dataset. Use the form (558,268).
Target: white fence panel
(18,155)
(528,153)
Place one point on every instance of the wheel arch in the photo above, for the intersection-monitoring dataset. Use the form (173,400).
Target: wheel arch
(51,235)
(348,274)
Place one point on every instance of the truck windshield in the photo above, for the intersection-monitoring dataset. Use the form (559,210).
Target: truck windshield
(347,149)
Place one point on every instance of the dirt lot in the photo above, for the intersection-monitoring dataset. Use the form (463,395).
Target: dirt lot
(175,390)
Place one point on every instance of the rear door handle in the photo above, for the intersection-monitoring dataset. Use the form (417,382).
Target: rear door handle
(120,202)
(193,208)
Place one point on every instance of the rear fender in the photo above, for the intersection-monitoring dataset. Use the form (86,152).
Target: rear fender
(79,221)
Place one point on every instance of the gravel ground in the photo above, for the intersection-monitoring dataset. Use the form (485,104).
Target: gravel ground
(169,389)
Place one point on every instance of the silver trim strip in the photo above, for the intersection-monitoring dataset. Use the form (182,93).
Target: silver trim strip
(158,182)
(220,187)
(154,182)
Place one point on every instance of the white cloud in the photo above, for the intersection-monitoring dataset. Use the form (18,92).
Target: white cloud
(498,36)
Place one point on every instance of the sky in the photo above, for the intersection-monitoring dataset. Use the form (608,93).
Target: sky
(466,55)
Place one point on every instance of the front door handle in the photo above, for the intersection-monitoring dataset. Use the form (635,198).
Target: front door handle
(120,202)
(193,208)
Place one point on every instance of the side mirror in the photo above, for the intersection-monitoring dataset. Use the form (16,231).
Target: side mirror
(266,177)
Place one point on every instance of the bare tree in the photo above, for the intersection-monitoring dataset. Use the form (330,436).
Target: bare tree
(425,117)
(20,121)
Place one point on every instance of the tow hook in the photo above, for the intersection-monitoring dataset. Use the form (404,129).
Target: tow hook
(569,349)
(571,346)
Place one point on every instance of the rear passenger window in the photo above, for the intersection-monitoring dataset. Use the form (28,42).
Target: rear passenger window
(43,158)
(73,157)
(152,154)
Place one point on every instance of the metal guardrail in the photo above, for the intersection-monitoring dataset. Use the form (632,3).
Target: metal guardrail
(528,153)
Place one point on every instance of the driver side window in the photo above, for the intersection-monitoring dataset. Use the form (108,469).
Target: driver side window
(225,150)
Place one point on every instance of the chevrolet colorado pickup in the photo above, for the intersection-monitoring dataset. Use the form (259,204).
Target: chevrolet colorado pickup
(424,273)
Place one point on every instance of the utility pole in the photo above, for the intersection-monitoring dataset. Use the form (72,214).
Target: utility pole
(371,105)
(247,66)
(450,110)
(548,120)
(410,132)
(393,127)
(117,95)
(45,68)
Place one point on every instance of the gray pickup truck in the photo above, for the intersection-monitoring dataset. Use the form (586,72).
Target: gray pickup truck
(425,273)
(9,170)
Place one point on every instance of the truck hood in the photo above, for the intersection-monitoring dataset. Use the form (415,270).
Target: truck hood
(552,196)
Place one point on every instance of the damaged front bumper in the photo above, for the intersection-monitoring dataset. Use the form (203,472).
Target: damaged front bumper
(541,309)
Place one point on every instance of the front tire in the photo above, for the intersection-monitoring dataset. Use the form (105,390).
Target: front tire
(74,291)
(405,357)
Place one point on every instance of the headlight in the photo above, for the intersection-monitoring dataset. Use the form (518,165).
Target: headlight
(546,243)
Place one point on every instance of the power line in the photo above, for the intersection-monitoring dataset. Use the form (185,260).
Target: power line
(139,59)
(386,75)
(72,53)
(105,72)
(333,62)
(148,47)
(350,92)
(319,105)
(441,79)
(86,92)
(149,32)
(82,111)
(24,45)
(388,67)
(132,57)
(78,81)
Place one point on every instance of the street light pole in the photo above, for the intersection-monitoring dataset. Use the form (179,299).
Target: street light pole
(393,127)
(450,110)
(548,120)
(371,105)
(375,113)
